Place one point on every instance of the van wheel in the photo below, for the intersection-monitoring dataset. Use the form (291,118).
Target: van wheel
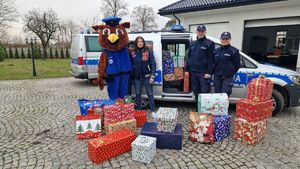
(145,103)
(278,102)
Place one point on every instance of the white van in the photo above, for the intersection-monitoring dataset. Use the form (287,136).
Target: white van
(286,93)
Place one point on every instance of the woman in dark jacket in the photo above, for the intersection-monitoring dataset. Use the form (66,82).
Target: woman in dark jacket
(144,67)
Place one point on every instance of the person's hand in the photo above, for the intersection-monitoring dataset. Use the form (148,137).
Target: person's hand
(151,80)
(99,82)
(207,76)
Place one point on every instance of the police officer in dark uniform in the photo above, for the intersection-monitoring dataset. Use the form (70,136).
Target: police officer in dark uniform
(200,62)
(144,68)
(227,63)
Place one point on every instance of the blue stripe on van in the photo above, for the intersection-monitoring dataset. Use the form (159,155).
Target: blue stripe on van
(91,61)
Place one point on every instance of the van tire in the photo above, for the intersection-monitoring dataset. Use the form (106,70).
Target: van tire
(278,102)
(145,103)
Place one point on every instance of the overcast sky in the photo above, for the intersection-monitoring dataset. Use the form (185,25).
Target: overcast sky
(76,9)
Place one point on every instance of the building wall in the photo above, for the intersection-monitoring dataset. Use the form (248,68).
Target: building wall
(238,15)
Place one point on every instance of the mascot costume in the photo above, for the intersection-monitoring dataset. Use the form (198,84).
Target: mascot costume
(114,64)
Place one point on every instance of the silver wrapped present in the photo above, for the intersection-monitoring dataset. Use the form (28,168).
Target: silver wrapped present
(143,149)
(166,119)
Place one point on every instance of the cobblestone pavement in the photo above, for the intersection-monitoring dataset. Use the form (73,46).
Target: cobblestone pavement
(38,131)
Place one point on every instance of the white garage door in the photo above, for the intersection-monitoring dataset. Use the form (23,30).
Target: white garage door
(212,29)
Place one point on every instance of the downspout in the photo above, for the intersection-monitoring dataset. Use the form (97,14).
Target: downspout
(176,18)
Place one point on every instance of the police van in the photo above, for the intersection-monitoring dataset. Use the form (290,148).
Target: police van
(85,53)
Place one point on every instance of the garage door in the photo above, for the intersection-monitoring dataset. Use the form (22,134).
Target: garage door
(213,29)
(273,22)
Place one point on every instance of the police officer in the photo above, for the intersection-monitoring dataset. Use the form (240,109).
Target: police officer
(200,62)
(144,68)
(227,63)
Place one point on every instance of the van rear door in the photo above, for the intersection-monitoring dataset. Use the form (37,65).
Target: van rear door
(93,52)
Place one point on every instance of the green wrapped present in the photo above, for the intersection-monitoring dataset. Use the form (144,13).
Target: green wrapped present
(217,103)
(128,99)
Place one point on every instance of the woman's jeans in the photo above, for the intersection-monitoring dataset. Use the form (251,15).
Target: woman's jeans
(149,90)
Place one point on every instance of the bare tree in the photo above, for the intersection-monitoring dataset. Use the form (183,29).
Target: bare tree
(114,8)
(8,14)
(67,29)
(143,18)
(44,24)
(87,23)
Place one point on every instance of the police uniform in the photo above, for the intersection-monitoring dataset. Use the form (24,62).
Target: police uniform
(118,67)
(144,68)
(227,63)
(200,62)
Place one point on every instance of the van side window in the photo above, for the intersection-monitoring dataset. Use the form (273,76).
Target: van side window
(248,64)
(92,44)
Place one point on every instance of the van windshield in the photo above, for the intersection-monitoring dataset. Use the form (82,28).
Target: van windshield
(92,44)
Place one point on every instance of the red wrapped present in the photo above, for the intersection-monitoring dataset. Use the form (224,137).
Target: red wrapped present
(88,126)
(201,127)
(260,89)
(127,111)
(250,132)
(186,82)
(111,145)
(112,114)
(141,118)
(253,111)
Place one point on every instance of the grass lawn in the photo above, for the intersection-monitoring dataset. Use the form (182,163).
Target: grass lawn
(17,69)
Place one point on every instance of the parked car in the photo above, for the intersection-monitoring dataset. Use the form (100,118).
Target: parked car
(286,93)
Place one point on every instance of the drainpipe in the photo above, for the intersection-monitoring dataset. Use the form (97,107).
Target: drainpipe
(298,60)
(176,18)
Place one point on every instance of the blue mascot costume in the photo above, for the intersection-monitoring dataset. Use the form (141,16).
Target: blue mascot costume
(114,63)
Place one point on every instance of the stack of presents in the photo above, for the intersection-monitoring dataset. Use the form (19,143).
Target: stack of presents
(173,69)
(212,122)
(112,125)
(252,113)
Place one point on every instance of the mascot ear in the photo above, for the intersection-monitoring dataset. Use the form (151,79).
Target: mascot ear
(126,25)
(98,28)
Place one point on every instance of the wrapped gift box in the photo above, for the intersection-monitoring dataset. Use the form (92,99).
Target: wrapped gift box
(144,149)
(164,140)
(88,126)
(222,127)
(168,66)
(250,132)
(166,118)
(201,127)
(169,77)
(186,82)
(84,104)
(178,61)
(112,114)
(260,89)
(113,127)
(253,111)
(111,145)
(127,111)
(117,113)
(141,118)
(217,103)
(179,73)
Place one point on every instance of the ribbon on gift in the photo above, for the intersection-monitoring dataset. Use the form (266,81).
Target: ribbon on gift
(256,98)
(144,139)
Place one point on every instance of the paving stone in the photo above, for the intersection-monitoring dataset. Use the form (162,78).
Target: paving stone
(37,130)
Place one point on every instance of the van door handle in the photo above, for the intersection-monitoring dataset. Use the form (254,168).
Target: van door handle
(250,75)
